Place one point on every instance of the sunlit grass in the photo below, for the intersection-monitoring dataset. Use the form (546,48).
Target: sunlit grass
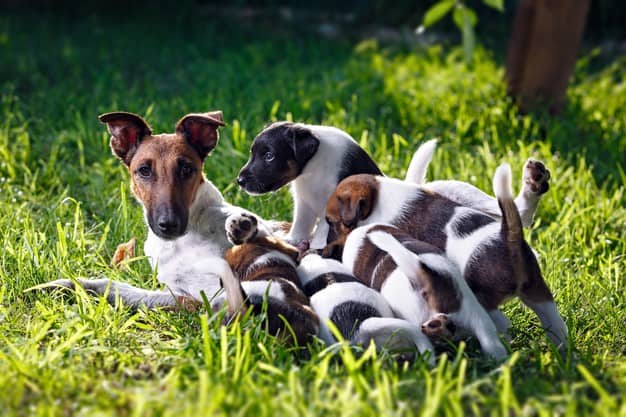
(65,206)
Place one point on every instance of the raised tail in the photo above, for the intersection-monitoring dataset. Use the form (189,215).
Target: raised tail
(419,163)
(511,220)
(511,229)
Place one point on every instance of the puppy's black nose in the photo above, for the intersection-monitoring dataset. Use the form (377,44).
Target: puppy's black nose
(241,180)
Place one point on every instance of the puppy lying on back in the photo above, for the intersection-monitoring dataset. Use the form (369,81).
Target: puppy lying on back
(360,313)
(265,271)
(420,283)
(493,256)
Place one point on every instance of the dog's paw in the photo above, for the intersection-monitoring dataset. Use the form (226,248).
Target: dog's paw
(51,285)
(439,327)
(241,228)
(536,178)
(124,252)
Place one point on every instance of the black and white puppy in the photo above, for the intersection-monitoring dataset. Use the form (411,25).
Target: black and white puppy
(315,158)
(421,284)
(360,313)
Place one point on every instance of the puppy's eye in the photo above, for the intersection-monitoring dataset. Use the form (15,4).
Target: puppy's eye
(268,157)
(186,171)
(144,171)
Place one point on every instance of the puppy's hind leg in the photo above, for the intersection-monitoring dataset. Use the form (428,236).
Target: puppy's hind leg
(394,333)
(537,296)
(535,183)
(502,322)
(130,296)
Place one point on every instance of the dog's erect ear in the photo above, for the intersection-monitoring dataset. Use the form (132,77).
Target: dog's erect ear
(303,142)
(200,130)
(127,130)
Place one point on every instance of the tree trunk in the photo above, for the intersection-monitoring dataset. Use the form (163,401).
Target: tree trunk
(542,51)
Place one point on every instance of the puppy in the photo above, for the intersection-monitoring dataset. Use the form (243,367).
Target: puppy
(315,159)
(265,274)
(420,283)
(493,256)
(360,313)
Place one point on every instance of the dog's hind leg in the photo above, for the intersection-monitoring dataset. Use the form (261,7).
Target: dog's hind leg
(502,322)
(535,183)
(537,296)
(117,291)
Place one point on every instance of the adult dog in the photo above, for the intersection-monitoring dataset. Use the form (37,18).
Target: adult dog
(184,211)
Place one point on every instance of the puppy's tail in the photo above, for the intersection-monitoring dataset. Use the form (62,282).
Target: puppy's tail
(419,163)
(407,261)
(235,296)
(511,229)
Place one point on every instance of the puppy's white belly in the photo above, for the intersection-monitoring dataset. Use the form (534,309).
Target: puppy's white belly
(404,300)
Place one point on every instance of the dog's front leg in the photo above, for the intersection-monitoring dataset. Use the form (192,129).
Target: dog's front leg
(320,236)
(129,295)
(304,220)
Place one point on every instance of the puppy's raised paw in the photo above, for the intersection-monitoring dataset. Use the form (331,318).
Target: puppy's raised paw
(241,228)
(439,327)
(536,178)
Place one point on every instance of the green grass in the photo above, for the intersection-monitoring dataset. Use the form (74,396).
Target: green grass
(65,205)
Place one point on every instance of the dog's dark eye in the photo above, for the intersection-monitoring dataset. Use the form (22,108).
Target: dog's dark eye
(144,171)
(186,171)
(268,157)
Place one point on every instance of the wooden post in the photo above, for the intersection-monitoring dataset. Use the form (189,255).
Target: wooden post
(542,51)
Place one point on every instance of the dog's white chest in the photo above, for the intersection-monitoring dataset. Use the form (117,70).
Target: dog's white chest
(184,264)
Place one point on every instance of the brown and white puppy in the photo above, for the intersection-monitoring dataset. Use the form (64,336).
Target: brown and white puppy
(185,212)
(265,275)
(420,284)
(360,313)
(493,256)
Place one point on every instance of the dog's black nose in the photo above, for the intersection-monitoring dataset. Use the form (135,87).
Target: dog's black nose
(241,180)
(167,226)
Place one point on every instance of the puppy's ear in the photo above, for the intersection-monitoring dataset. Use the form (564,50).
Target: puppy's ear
(200,130)
(127,130)
(349,210)
(357,206)
(303,142)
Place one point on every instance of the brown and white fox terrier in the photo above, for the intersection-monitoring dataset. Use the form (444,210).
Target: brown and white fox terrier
(184,211)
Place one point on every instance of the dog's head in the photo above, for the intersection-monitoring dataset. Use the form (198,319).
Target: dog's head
(353,200)
(165,169)
(277,156)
